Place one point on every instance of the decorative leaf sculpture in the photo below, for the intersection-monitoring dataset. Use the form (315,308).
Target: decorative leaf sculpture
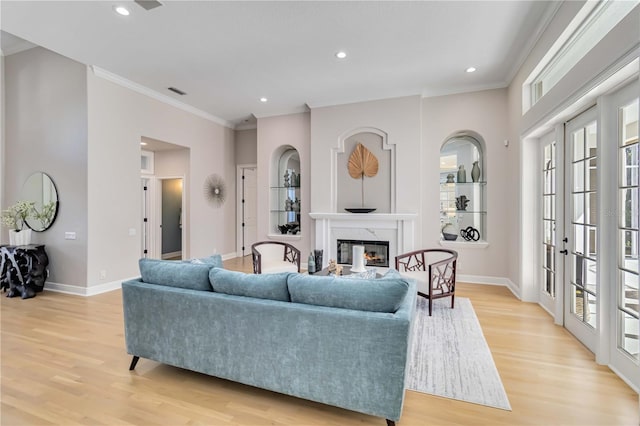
(362,163)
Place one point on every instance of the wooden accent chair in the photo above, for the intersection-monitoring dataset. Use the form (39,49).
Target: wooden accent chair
(271,257)
(434,271)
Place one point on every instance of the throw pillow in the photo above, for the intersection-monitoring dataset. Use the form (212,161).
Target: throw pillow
(268,286)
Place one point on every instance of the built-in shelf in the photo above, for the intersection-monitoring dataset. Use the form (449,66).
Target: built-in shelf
(463,192)
(464,244)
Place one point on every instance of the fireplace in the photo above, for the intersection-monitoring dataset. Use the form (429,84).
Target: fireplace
(376,253)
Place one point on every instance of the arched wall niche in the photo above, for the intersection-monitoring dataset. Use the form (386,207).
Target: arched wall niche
(466,136)
(463,185)
(284,198)
(379,191)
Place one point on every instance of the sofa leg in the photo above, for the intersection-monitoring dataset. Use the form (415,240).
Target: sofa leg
(391,423)
(134,361)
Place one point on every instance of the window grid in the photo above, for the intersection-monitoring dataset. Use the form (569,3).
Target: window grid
(628,300)
(583,224)
(549,219)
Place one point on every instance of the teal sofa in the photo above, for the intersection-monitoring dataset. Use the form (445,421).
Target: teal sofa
(337,341)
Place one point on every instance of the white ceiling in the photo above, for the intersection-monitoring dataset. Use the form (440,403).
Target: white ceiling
(227,54)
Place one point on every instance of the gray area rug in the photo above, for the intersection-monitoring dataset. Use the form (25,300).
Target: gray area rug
(450,357)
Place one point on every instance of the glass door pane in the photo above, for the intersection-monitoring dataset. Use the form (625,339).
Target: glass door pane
(582,260)
(549,204)
(627,289)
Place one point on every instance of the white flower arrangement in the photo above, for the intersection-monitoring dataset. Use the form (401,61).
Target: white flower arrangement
(16,215)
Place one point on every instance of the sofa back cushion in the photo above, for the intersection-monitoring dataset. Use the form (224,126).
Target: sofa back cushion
(271,286)
(375,295)
(175,274)
(213,260)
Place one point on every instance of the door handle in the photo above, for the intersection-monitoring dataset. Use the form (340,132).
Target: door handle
(565,252)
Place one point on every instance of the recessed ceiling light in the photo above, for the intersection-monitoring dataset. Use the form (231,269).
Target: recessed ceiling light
(121,10)
(341,54)
(263,99)
(470,69)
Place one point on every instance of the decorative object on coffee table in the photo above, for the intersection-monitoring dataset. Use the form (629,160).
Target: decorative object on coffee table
(362,163)
(23,270)
(358,259)
(215,190)
(317,254)
(311,263)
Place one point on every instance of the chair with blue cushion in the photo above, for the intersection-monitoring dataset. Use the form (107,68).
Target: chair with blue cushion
(434,271)
(272,257)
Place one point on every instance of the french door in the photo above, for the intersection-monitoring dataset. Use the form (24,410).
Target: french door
(588,273)
(551,209)
(625,322)
(581,250)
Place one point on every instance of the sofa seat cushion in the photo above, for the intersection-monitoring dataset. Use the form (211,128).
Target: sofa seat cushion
(277,266)
(375,295)
(175,274)
(272,286)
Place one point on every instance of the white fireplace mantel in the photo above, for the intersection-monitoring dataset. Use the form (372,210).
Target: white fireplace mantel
(397,228)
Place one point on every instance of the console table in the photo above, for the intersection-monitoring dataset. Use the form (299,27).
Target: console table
(23,269)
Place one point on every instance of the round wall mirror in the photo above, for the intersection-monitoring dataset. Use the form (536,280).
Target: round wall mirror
(39,189)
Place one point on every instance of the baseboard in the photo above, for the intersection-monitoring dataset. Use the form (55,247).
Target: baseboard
(230,256)
(85,291)
(172,254)
(501,281)
(624,379)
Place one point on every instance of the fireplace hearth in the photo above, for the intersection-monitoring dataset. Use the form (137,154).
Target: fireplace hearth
(376,253)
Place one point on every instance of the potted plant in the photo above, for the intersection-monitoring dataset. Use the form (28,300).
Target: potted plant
(15,218)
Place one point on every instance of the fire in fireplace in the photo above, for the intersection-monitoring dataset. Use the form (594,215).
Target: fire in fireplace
(376,253)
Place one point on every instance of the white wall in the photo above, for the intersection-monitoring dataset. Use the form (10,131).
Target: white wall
(274,132)
(46,118)
(118,118)
(485,113)
(246,145)
(399,118)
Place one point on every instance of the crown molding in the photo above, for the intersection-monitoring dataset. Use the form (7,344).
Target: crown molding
(121,81)
(471,89)
(550,13)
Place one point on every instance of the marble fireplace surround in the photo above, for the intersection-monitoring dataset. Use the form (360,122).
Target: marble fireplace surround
(397,228)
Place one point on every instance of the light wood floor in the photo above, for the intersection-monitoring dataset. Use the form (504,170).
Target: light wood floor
(64,363)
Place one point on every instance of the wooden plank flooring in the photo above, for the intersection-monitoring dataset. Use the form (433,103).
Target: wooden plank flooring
(64,363)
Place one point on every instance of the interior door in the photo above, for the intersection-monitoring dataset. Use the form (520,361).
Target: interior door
(249,209)
(581,278)
(146,213)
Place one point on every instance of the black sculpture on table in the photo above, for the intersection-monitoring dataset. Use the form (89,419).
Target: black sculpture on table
(23,270)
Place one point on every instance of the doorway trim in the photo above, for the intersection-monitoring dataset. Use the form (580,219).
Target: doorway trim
(239,206)
(155,226)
